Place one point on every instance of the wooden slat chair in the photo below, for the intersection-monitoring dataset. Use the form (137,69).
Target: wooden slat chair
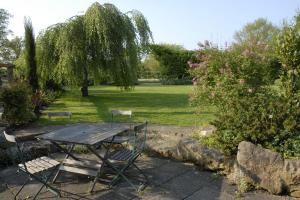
(35,169)
(119,139)
(122,159)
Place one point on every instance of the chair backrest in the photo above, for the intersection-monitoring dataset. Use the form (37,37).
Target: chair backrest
(115,113)
(13,139)
(10,138)
(121,112)
(140,132)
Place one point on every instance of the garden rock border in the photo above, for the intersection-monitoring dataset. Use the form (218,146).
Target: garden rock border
(268,169)
(255,165)
(177,143)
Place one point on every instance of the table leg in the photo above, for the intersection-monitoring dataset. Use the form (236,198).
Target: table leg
(103,159)
(68,153)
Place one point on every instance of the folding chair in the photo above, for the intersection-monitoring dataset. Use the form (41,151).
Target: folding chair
(119,139)
(122,159)
(35,169)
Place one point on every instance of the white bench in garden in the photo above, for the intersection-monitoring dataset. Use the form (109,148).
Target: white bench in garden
(59,114)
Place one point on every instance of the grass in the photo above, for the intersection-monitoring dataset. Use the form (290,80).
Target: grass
(157,104)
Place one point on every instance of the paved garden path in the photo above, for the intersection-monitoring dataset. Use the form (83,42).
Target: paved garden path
(170,180)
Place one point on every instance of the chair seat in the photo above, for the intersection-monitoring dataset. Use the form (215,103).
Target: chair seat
(117,139)
(39,165)
(121,155)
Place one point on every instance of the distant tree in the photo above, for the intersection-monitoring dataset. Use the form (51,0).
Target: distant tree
(4,19)
(102,41)
(16,44)
(173,60)
(258,39)
(150,67)
(257,34)
(11,50)
(30,57)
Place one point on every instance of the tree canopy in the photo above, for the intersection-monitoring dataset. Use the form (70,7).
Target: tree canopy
(259,32)
(258,39)
(102,41)
(4,17)
(4,51)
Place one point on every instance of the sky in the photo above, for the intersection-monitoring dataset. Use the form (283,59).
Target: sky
(183,22)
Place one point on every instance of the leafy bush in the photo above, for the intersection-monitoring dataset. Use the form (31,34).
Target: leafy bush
(51,85)
(248,108)
(149,68)
(176,82)
(17,104)
(43,98)
(259,37)
(173,60)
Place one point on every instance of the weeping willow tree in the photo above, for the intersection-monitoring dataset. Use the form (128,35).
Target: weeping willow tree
(102,41)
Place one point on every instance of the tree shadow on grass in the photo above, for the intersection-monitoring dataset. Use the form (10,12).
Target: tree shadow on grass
(98,105)
(103,111)
(157,100)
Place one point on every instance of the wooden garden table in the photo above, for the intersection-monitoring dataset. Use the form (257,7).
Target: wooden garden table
(87,135)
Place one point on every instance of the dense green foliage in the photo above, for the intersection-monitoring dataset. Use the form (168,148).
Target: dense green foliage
(173,60)
(30,56)
(149,68)
(17,104)
(259,38)
(4,51)
(157,104)
(248,106)
(256,35)
(4,17)
(108,42)
(9,48)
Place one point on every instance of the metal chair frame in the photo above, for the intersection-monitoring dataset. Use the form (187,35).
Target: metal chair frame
(138,148)
(38,176)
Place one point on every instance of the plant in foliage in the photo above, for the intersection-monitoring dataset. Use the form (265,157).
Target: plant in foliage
(259,38)
(248,107)
(173,60)
(6,53)
(30,55)
(4,16)
(17,104)
(102,41)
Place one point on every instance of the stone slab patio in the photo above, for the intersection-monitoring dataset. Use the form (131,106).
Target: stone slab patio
(169,180)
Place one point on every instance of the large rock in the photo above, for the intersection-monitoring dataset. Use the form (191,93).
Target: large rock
(163,140)
(291,176)
(207,158)
(175,142)
(268,169)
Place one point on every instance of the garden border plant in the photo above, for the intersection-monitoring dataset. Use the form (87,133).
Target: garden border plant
(249,107)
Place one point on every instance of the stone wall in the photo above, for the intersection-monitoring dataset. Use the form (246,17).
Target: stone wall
(268,169)
(257,166)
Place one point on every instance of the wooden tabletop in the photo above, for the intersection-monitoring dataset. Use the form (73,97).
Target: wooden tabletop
(85,134)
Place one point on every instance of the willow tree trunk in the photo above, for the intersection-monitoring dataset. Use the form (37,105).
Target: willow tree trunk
(85,83)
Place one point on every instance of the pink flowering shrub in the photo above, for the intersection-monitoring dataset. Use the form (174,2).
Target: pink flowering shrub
(235,83)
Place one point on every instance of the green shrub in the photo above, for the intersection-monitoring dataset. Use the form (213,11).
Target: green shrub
(261,118)
(17,104)
(173,60)
(44,98)
(176,82)
(248,108)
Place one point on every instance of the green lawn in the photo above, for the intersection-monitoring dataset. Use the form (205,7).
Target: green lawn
(157,104)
